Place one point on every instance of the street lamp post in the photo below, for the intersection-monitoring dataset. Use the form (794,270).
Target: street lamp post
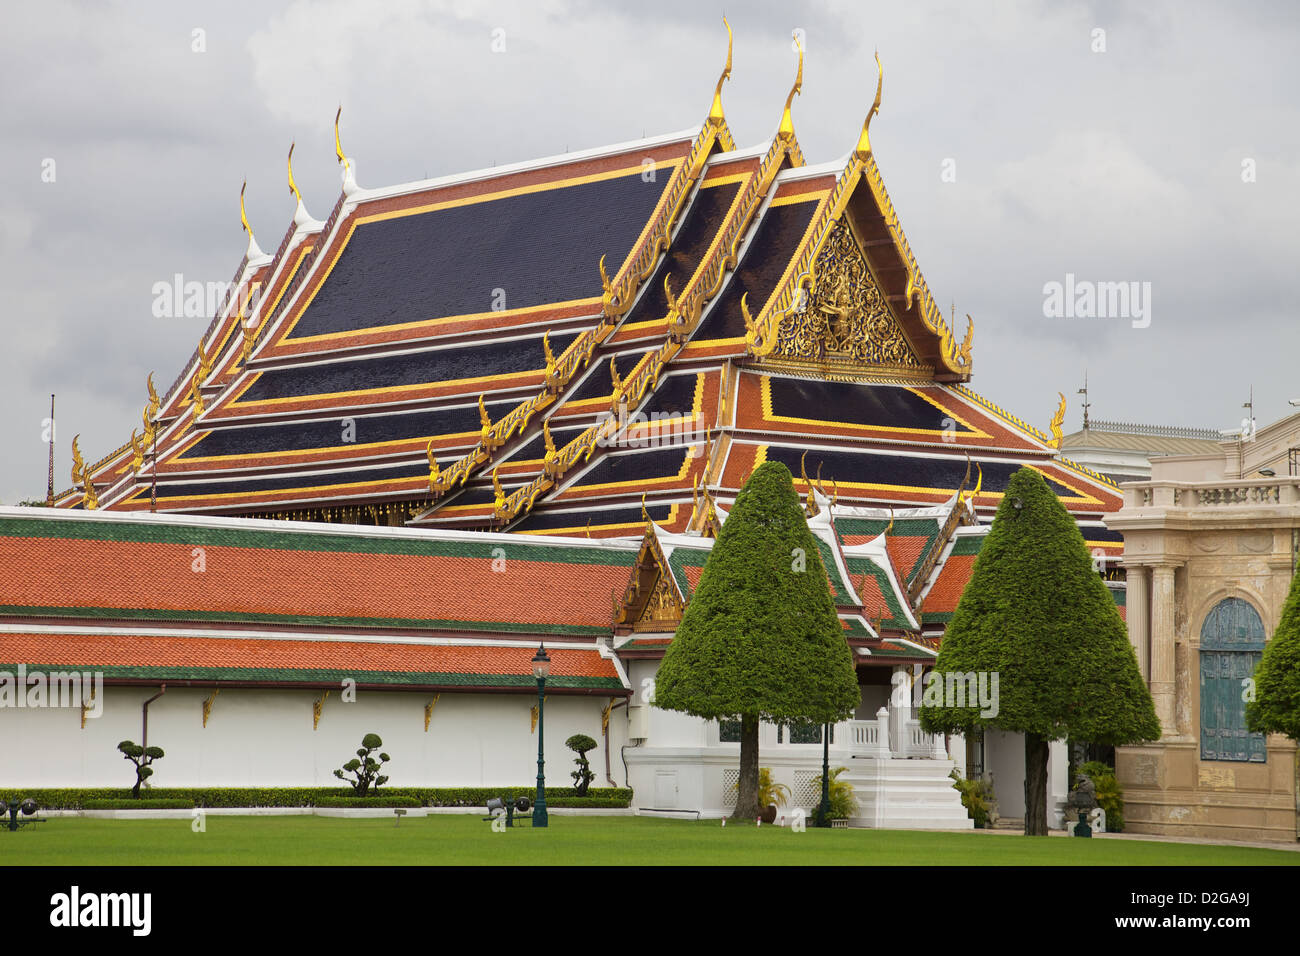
(824,808)
(541,669)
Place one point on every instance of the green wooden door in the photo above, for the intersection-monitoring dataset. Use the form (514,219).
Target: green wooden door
(1232,640)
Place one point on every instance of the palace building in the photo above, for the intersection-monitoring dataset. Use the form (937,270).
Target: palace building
(567,368)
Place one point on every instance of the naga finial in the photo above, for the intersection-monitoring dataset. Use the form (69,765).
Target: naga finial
(78,463)
(550,356)
(786,129)
(293,187)
(499,496)
(979,481)
(154,401)
(1057,420)
(613,374)
(137,453)
(715,111)
(546,437)
(864,143)
(645,515)
(963,353)
(434,472)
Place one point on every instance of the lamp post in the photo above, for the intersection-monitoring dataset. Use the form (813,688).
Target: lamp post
(541,669)
(824,808)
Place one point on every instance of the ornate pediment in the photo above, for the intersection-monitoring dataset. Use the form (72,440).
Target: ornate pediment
(844,319)
(650,601)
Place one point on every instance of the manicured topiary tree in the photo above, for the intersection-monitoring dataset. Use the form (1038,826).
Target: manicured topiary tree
(1037,614)
(760,639)
(582,777)
(142,757)
(364,767)
(1276,707)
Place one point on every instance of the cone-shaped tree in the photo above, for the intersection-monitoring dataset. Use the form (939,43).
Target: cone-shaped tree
(1037,614)
(760,639)
(1276,707)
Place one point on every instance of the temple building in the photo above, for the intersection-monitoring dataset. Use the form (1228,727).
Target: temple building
(576,362)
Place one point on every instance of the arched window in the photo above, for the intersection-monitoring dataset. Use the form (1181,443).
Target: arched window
(1232,639)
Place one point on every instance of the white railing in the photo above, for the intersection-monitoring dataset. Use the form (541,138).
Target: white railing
(873,738)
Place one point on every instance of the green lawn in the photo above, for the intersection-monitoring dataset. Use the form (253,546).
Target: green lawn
(443,839)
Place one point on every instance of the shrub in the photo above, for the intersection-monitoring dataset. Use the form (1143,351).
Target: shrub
(138,804)
(1110,795)
(364,767)
(582,777)
(76,798)
(844,803)
(974,797)
(388,800)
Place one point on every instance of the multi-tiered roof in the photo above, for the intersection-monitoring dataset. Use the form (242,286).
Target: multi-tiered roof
(575,345)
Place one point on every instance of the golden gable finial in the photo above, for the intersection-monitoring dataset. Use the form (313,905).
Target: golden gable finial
(963,353)
(979,482)
(338,143)
(715,111)
(786,129)
(153,397)
(243,216)
(613,374)
(864,144)
(78,464)
(293,187)
(1057,420)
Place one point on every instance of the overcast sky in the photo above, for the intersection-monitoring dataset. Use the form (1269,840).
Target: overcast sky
(1129,164)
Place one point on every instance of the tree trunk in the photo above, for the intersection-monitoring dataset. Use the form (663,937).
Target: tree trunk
(747,807)
(1035,785)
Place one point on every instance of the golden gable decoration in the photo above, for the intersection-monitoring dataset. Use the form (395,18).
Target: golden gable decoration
(845,319)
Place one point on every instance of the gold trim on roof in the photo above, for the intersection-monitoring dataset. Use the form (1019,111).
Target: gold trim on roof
(293,187)
(863,149)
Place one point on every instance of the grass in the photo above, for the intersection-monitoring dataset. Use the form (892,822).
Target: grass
(455,839)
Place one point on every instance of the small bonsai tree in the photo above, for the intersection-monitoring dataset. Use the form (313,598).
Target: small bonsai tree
(582,777)
(365,767)
(142,757)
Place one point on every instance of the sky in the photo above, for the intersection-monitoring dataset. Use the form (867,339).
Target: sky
(1022,142)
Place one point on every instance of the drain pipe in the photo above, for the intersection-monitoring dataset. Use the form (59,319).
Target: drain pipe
(162,689)
(609,778)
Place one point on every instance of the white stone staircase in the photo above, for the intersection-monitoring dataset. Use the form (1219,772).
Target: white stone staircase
(906,794)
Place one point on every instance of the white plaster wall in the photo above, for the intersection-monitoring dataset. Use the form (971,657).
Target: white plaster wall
(265,738)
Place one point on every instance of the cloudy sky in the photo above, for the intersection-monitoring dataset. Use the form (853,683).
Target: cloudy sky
(1155,143)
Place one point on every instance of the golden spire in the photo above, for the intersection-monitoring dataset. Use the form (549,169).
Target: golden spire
(243,216)
(786,129)
(864,144)
(338,144)
(137,453)
(1057,420)
(293,187)
(715,112)
(499,499)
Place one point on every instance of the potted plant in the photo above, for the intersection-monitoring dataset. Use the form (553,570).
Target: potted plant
(771,794)
(844,802)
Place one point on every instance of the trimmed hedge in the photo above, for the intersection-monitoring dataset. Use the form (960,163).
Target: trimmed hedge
(141,804)
(355,803)
(76,798)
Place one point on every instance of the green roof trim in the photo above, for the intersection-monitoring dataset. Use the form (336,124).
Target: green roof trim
(927,528)
(318,676)
(164,614)
(234,537)
(967,544)
(897,617)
